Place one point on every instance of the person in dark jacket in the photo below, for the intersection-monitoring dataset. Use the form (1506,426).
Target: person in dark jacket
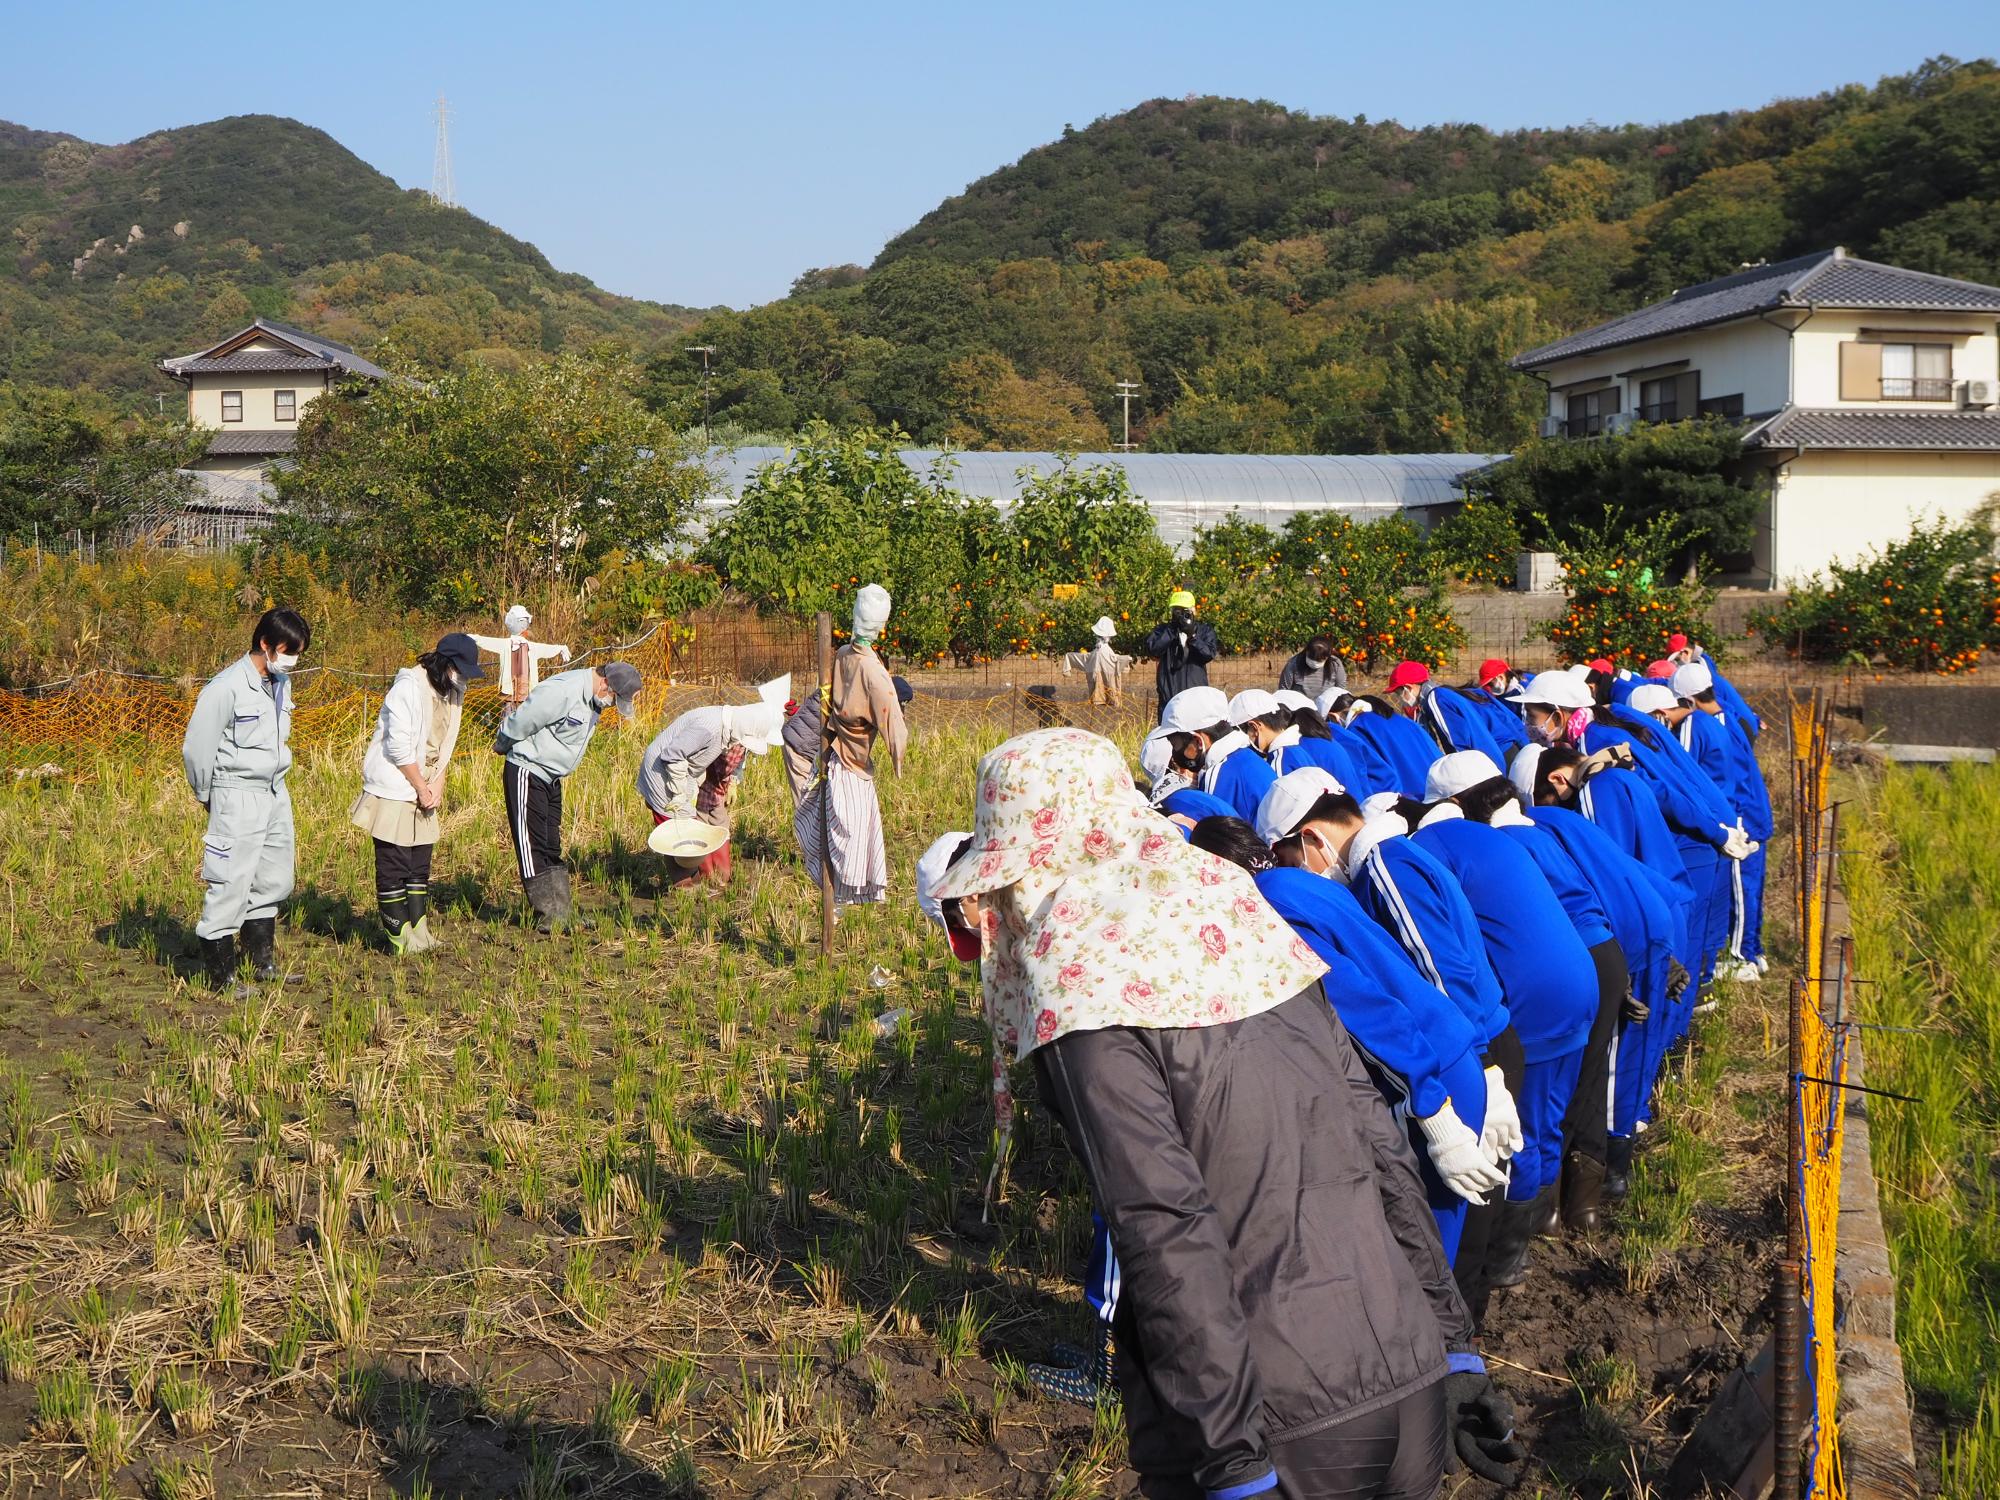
(1181,649)
(1289,1323)
(1313,670)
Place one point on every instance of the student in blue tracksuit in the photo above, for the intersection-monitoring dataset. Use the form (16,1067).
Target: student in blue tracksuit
(1339,709)
(1188,806)
(1414,898)
(1743,780)
(1487,693)
(1218,754)
(1401,746)
(1484,795)
(1418,1046)
(1452,719)
(1328,745)
(1550,983)
(1276,735)
(1681,651)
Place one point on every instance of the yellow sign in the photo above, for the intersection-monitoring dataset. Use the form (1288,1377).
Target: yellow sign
(1060,591)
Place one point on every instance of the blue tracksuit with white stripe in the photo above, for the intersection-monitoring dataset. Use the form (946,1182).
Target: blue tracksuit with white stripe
(1455,722)
(1291,750)
(1236,774)
(1644,926)
(1545,973)
(1734,706)
(1696,811)
(1418,1045)
(1413,897)
(1714,746)
(1503,722)
(1753,801)
(1372,771)
(1402,747)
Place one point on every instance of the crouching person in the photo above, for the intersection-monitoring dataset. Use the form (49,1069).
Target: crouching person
(402,784)
(543,741)
(1288,1322)
(236,753)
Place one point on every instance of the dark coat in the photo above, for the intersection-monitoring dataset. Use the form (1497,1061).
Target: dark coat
(1182,664)
(1282,1269)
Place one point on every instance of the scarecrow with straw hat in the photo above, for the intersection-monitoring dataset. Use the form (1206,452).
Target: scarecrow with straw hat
(863,706)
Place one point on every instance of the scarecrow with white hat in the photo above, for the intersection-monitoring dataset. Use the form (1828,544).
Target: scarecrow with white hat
(520,658)
(690,771)
(862,707)
(1103,668)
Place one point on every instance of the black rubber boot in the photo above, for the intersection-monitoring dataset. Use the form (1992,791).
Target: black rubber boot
(1507,1250)
(218,961)
(541,889)
(566,909)
(1546,1222)
(1582,1192)
(260,946)
(1618,1168)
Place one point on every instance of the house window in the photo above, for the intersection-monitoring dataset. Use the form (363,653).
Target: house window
(1916,372)
(285,405)
(1587,412)
(232,406)
(1722,406)
(1659,400)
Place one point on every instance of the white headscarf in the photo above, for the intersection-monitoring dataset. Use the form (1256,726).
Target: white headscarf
(517,619)
(871,611)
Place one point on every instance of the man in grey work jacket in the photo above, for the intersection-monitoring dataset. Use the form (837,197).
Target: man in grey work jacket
(544,740)
(236,752)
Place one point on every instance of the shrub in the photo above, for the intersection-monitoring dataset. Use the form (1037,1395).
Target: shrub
(1930,602)
(1616,606)
(1478,545)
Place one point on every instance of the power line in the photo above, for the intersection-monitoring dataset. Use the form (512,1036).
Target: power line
(442,192)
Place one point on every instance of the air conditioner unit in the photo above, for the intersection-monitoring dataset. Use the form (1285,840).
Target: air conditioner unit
(1976,393)
(1552,426)
(1620,421)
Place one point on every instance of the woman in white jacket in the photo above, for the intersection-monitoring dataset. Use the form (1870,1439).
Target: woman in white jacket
(402,783)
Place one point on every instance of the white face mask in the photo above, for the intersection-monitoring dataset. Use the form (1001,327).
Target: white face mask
(1334,869)
(280,662)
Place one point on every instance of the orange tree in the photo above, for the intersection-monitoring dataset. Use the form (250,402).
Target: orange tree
(1616,605)
(1930,602)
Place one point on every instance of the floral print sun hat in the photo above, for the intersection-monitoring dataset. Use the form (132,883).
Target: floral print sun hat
(1096,913)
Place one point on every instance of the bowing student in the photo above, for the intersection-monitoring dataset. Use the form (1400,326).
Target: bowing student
(1734,750)
(1212,750)
(1275,732)
(1403,750)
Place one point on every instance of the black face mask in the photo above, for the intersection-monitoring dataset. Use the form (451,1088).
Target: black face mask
(1182,619)
(1189,756)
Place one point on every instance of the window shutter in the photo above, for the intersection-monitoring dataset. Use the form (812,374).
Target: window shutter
(1687,394)
(1860,372)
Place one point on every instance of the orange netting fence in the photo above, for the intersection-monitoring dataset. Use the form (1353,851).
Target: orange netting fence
(1816,1098)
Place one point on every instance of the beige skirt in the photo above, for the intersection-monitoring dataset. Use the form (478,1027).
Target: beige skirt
(403,824)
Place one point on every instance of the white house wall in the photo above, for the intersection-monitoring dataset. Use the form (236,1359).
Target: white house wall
(1747,358)
(205,399)
(1838,505)
(1819,339)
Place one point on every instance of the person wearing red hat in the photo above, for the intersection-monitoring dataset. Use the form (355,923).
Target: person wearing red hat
(1406,682)
(1495,676)
(1660,670)
(1603,664)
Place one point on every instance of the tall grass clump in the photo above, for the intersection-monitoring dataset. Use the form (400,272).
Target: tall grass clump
(1922,880)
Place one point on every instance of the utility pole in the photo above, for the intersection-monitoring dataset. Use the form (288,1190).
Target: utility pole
(1127,389)
(442,192)
(705,351)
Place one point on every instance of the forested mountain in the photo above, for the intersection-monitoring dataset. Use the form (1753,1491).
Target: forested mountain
(121,254)
(1282,282)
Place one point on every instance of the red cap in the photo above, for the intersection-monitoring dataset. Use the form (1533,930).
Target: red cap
(1677,642)
(1603,664)
(1407,672)
(1491,668)
(1661,669)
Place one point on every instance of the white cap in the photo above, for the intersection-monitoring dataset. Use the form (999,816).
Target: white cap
(757,727)
(930,870)
(1526,767)
(1328,697)
(778,690)
(1104,629)
(871,611)
(1252,703)
(1293,699)
(1380,803)
(1156,754)
(1652,697)
(1579,670)
(517,619)
(1692,680)
(1557,689)
(1195,708)
(1288,799)
(1457,772)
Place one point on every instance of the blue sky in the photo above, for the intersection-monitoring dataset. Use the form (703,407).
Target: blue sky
(705,154)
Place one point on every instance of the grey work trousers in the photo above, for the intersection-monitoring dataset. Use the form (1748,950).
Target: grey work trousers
(247,855)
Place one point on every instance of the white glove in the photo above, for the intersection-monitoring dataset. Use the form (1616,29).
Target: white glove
(1455,1153)
(1737,844)
(1502,1133)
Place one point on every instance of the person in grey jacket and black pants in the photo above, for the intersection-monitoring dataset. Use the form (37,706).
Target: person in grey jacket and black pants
(236,751)
(543,741)
(1289,1324)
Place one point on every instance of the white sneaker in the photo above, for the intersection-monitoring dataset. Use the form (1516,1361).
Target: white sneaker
(1763,964)
(1742,971)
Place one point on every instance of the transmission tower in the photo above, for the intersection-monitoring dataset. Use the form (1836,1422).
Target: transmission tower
(442,192)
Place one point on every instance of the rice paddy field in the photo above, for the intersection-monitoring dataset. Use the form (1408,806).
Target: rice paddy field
(1923,878)
(670,1208)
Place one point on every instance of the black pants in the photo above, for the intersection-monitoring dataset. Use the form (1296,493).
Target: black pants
(397,868)
(1587,1121)
(1469,1267)
(1394,1453)
(534,820)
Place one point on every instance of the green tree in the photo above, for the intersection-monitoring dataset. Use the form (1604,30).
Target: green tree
(69,462)
(481,485)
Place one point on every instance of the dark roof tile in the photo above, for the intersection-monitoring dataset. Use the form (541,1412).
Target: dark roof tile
(254,444)
(1849,427)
